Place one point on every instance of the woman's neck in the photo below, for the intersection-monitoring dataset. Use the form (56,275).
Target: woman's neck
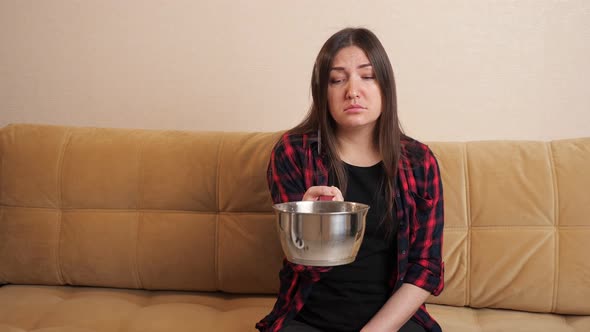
(357,147)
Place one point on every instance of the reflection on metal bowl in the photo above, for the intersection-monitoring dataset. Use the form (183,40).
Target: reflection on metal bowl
(321,233)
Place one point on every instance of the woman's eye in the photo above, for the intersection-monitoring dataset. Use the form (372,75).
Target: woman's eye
(368,77)
(335,80)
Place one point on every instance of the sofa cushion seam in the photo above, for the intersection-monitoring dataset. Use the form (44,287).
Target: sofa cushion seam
(549,147)
(137,275)
(67,141)
(469,225)
(217,268)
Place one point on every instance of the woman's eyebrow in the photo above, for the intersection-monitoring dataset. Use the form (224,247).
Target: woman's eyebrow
(359,67)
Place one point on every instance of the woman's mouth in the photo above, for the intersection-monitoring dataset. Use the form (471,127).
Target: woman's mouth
(354,108)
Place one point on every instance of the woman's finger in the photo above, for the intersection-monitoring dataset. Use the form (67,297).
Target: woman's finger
(338,195)
(323,193)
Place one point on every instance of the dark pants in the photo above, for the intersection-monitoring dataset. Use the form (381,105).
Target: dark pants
(297,326)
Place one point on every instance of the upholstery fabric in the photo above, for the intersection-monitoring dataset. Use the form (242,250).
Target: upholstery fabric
(84,309)
(129,230)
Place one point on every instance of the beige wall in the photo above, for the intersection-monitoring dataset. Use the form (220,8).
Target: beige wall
(465,69)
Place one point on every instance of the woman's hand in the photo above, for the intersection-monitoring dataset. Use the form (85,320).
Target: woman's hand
(323,193)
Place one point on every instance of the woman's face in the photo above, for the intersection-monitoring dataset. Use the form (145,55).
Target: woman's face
(354,97)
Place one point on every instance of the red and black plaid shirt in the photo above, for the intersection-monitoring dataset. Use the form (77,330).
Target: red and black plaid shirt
(295,165)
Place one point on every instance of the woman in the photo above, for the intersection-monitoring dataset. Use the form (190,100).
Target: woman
(350,147)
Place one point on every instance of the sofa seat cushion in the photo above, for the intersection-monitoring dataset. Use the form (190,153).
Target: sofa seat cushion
(463,319)
(87,309)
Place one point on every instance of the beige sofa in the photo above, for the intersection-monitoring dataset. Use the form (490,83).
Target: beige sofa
(137,230)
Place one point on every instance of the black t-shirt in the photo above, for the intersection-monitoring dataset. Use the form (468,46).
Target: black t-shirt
(348,296)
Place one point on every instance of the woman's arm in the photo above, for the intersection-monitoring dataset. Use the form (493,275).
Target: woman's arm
(400,307)
(425,266)
(286,176)
(285,172)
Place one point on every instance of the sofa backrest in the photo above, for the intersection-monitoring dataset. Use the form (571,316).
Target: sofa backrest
(136,209)
(517,218)
(175,210)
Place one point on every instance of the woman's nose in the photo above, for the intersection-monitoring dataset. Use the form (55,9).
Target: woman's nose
(352,90)
(352,95)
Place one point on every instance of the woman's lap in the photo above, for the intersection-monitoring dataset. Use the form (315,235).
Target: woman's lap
(412,326)
(297,326)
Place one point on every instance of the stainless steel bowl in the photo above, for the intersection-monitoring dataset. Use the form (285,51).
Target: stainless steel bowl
(321,233)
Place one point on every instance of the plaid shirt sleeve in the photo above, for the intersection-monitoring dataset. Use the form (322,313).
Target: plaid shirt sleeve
(285,172)
(425,265)
(291,170)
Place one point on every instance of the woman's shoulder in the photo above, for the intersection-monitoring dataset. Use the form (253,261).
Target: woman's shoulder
(297,136)
(415,153)
(291,140)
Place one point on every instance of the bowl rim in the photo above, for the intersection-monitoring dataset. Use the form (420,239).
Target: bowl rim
(279,207)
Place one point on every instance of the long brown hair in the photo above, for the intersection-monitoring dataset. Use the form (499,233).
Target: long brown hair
(387,132)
